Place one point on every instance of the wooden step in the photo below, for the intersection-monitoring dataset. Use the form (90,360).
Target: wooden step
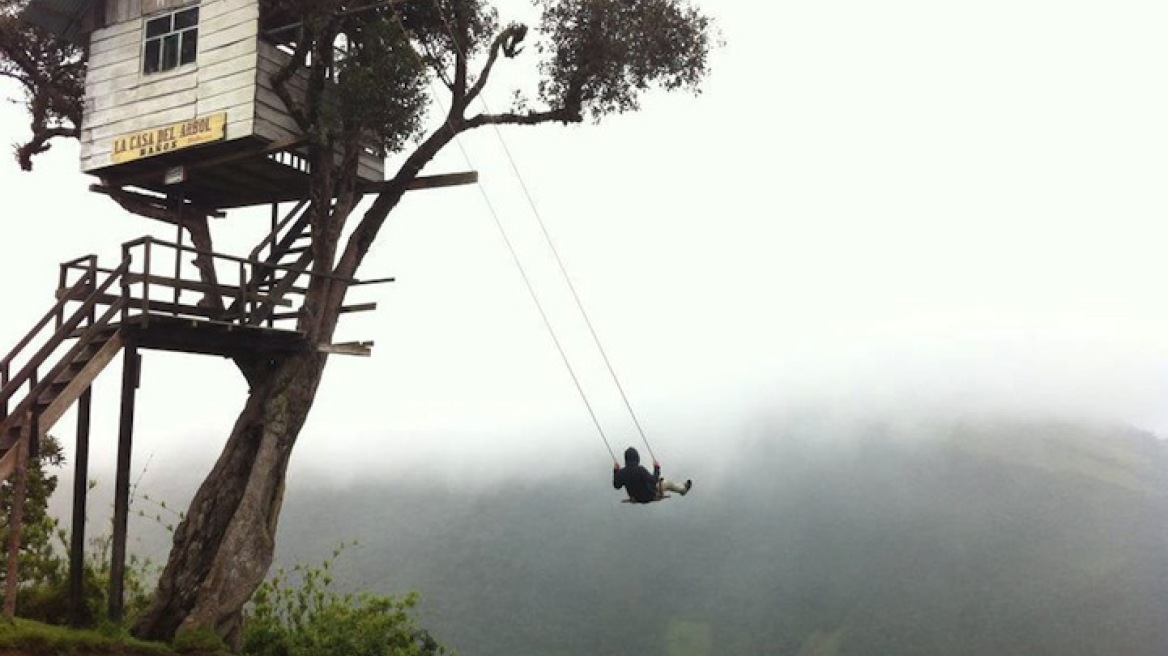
(53,391)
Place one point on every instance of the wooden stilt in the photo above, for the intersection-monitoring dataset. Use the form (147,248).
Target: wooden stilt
(130,368)
(16,517)
(78,615)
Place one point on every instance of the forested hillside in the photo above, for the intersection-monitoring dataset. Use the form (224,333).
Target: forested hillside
(874,538)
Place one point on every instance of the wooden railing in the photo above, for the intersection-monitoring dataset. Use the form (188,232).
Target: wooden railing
(51,339)
(160,283)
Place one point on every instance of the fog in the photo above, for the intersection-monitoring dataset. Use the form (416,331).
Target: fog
(809,532)
(870,208)
(887,217)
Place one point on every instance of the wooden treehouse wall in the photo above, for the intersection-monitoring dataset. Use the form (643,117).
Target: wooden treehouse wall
(274,123)
(120,99)
(231,73)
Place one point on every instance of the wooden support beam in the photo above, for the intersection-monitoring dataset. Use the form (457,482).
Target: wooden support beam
(151,207)
(363,349)
(78,610)
(16,517)
(130,368)
(436,181)
(358,307)
(373,281)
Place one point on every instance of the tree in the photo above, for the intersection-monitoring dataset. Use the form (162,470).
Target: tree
(369,67)
(51,73)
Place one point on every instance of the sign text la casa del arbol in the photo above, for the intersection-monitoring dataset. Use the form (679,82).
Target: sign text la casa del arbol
(168,138)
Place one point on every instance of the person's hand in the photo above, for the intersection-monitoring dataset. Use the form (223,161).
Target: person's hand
(656,465)
(615,466)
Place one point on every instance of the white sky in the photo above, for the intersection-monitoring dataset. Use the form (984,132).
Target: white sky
(909,204)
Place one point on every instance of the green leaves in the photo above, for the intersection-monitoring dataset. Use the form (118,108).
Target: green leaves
(381,87)
(600,55)
(298,613)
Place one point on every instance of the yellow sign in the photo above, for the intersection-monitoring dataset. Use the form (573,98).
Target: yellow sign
(169,138)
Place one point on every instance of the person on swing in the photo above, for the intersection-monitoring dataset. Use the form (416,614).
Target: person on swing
(641,486)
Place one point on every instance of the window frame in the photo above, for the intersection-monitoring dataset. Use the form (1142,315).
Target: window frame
(172,47)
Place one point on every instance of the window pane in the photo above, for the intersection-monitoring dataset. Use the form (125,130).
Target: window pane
(190,45)
(150,57)
(170,52)
(157,26)
(187,18)
(171,40)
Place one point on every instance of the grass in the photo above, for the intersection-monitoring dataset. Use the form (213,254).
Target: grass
(27,637)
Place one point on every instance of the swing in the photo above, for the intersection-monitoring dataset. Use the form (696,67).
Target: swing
(661,496)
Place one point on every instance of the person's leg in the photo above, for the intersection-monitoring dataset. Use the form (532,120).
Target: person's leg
(666,485)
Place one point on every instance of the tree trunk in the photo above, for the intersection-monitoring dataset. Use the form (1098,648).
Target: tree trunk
(223,547)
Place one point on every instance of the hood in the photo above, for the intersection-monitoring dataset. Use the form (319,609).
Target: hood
(632,458)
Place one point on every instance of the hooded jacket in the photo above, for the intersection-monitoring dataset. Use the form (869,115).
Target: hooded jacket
(635,479)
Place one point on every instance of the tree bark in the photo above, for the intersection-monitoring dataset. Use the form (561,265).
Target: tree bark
(223,547)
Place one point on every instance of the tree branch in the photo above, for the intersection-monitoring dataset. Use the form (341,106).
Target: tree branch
(563,115)
(40,143)
(460,62)
(280,81)
(507,41)
(366,231)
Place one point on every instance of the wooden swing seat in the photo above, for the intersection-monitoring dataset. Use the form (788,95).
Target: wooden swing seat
(660,498)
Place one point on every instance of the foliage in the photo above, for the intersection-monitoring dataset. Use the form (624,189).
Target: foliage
(602,54)
(44,568)
(309,617)
(38,560)
(51,73)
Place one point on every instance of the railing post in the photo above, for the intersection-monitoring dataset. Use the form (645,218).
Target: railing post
(91,276)
(62,277)
(178,255)
(243,293)
(125,284)
(146,282)
(275,226)
(34,447)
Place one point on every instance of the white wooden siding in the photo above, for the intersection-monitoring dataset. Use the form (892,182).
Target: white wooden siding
(232,73)
(120,11)
(120,99)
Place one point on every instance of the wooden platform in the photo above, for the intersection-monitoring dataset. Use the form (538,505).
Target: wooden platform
(209,337)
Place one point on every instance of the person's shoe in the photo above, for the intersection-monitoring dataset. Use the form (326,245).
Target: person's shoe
(688,485)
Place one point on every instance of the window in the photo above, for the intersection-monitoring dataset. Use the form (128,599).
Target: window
(171,40)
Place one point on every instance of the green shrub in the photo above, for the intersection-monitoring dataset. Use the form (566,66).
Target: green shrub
(43,565)
(307,617)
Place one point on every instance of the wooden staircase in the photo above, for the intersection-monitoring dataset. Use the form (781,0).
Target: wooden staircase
(140,304)
(289,254)
(42,398)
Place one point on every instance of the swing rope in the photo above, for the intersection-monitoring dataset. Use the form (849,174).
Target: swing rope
(559,262)
(575,296)
(542,313)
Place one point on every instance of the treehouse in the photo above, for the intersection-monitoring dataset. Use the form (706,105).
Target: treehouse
(179,98)
(181,122)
